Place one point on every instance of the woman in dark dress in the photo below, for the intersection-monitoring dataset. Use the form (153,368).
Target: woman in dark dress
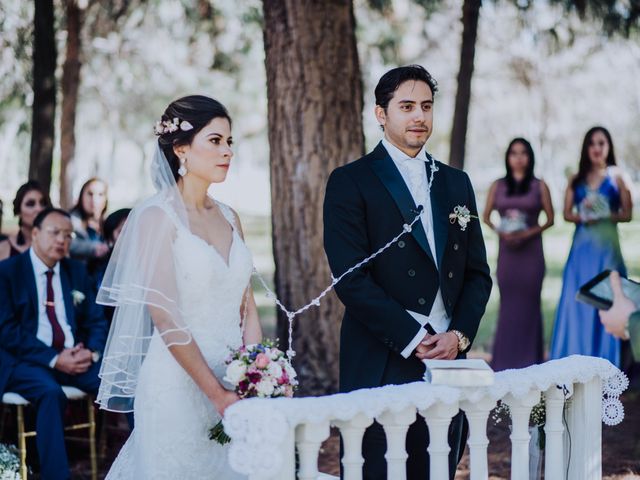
(519,198)
(30,200)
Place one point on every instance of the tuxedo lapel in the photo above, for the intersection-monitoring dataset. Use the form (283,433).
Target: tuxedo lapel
(440,208)
(392,180)
(69,309)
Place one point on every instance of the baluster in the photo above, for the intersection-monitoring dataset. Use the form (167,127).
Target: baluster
(395,426)
(438,417)
(309,438)
(584,422)
(477,414)
(287,470)
(520,411)
(553,430)
(352,432)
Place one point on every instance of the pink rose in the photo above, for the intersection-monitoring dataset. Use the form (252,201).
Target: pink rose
(262,360)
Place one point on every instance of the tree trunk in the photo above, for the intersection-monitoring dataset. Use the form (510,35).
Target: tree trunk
(44,93)
(470,16)
(315,124)
(70,86)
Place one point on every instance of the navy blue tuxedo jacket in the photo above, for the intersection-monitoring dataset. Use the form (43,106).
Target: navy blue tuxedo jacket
(19,313)
(366,204)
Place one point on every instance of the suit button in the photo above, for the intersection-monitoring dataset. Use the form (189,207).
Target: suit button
(449,303)
(401,244)
(411,273)
(450,274)
(455,246)
(421,301)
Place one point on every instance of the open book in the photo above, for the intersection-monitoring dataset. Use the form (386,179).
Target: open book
(458,373)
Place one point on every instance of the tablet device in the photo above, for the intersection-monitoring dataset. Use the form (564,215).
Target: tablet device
(597,291)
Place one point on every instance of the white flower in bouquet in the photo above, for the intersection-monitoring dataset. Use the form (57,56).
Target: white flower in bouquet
(274,370)
(265,387)
(236,371)
(291,373)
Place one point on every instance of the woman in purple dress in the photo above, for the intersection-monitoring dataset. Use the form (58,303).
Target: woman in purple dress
(519,198)
(596,200)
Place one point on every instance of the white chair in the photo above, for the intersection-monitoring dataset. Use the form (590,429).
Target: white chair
(72,393)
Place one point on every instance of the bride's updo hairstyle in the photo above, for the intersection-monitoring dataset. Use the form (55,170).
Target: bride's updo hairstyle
(182,120)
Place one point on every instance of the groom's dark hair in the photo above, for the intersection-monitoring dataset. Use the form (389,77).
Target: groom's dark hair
(391,81)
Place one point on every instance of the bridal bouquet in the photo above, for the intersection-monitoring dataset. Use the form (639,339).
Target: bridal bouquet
(260,370)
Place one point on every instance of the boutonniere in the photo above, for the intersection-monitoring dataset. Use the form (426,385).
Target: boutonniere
(462,215)
(78,297)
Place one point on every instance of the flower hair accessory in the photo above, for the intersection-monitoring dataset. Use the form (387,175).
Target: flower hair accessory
(169,126)
(462,216)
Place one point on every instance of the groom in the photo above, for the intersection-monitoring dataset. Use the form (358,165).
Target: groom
(424,296)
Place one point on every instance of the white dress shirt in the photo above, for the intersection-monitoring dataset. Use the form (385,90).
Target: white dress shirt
(45,332)
(414,174)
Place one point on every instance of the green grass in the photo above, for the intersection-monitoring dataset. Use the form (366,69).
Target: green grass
(557,242)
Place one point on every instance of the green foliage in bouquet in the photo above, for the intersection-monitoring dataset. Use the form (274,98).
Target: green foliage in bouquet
(218,434)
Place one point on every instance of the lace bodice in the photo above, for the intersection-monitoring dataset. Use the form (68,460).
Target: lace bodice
(210,290)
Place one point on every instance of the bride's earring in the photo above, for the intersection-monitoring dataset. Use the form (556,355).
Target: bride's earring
(182,171)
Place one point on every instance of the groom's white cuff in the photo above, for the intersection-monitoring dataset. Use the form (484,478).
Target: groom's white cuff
(413,343)
(422,320)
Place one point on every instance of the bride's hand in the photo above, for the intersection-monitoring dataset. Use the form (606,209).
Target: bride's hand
(226,399)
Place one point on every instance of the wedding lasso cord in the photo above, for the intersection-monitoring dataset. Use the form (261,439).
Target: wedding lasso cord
(565,393)
(292,314)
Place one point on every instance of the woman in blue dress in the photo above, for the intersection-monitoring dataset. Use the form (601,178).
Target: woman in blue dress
(596,199)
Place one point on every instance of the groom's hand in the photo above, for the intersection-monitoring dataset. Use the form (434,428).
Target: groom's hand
(422,348)
(442,346)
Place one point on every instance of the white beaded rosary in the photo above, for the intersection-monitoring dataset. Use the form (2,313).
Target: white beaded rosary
(291,315)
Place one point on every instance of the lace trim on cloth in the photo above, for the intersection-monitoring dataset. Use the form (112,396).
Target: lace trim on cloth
(258,426)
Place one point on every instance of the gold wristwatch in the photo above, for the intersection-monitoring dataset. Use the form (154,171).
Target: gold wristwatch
(463,341)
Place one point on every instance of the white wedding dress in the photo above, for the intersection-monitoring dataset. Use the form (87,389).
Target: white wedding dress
(172,415)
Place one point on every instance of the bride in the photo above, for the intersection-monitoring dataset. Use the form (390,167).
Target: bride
(179,279)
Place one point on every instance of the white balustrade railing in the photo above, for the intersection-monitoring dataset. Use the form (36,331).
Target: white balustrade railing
(267,432)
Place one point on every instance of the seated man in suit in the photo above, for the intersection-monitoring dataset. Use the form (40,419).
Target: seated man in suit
(52,332)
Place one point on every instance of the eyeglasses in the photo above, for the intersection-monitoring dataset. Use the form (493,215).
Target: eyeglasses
(54,232)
